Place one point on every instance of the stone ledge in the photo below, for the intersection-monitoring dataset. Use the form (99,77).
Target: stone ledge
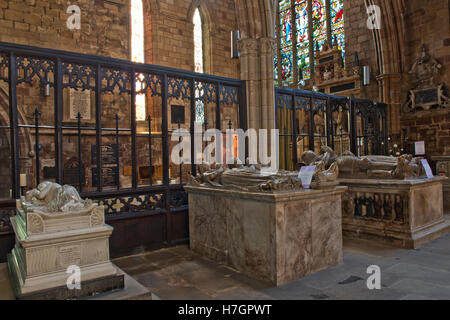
(89,288)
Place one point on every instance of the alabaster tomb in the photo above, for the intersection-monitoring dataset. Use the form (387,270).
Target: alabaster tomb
(443,169)
(55,229)
(264,225)
(388,199)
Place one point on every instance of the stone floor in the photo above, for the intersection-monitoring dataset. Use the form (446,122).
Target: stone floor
(178,273)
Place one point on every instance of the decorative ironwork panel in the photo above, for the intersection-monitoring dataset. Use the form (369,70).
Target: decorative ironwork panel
(229,95)
(116,79)
(179,88)
(205,91)
(319,105)
(178,199)
(4,65)
(5,215)
(302,103)
(336,105)
(284,101)
(130,204)
(148,82)
(78,76)
(29,68)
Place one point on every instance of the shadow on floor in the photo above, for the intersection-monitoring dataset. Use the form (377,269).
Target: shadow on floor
(178,273)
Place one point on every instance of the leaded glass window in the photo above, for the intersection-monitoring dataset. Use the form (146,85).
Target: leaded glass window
(198,63)
(137,50)
(303,27)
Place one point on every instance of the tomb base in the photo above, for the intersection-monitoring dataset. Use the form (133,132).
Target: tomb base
(56,251)
(275,237)
(406,213)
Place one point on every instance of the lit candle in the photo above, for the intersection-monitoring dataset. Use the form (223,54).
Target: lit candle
(23,180)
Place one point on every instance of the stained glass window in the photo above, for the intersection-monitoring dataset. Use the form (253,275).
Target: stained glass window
(337,23)
(137,50)
(198,63)
(296,22)
(319,23)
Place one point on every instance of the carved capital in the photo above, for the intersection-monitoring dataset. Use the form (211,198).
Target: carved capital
(268,45)
(249,46)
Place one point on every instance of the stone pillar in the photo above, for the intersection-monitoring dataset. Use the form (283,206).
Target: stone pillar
(389,92)
(256,57)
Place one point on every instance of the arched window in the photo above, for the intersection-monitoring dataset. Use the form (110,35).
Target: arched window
(137,50)
(303,27)
(198,64)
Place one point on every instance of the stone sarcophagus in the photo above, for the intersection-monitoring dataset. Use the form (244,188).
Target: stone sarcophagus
(405,213)
(58,234)
(265,226)
(388,199)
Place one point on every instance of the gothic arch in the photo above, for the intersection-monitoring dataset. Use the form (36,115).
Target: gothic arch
(256,18)
(208,31)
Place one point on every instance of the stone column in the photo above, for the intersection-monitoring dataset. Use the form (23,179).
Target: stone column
(256,58)
(390,93)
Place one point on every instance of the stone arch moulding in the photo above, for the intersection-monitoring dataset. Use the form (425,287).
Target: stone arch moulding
(389,43)
(208,32)
(256,18)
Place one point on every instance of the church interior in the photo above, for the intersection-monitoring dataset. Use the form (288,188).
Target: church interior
(97,97)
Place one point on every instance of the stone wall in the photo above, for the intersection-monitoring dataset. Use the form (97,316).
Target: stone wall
(104,25)
(358,38)
(105,30)
(169,35)
(428,24)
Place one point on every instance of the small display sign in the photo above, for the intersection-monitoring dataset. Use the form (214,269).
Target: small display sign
(305,175)
(427,168)
(420,148)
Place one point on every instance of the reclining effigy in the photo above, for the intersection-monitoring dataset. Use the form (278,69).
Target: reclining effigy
(367,167)
(245,178)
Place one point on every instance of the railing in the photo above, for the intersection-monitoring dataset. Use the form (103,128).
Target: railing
(307,120)
(118,145)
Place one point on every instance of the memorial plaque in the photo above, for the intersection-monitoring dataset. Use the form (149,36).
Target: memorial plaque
(177,114)
(110,154)
(426,96)
(70,256)
(110,177)
(80,102)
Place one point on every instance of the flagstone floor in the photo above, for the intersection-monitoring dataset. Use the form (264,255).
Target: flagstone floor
(178,273)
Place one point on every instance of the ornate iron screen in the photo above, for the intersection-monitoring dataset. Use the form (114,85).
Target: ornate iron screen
(307,120)
(71,118)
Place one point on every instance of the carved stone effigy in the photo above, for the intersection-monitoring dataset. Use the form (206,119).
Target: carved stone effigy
(56,229)
(264,224)
(388,198)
